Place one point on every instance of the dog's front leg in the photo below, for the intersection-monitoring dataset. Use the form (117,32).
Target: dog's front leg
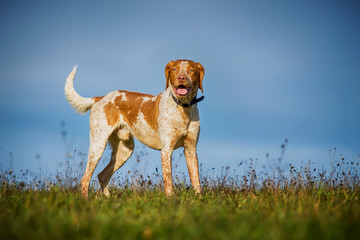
(190,143)
(166,154)
(193,167)
(192,164)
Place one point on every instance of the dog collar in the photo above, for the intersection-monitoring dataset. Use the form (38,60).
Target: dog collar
(194,101)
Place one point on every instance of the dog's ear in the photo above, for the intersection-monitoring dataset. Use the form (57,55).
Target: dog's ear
(167,73)
(202,72)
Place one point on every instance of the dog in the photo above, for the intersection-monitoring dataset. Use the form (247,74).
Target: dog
(164,122)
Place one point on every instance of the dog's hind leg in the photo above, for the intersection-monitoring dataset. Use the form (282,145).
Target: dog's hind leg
(123,147)
(99,135)
(96,149)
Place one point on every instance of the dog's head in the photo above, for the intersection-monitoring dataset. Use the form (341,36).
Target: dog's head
(184,77)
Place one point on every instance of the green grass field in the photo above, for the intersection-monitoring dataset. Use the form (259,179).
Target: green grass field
(219,214)
(304,203)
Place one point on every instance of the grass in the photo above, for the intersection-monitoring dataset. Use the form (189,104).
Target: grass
(219,214)
(303,203)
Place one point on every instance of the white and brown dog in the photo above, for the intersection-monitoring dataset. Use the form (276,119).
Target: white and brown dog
(164,122)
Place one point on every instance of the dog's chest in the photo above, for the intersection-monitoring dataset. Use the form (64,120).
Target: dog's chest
(173,120)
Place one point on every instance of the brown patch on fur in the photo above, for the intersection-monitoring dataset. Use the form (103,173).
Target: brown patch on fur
(150,109)
(96,99)
(112,114)
(133,103)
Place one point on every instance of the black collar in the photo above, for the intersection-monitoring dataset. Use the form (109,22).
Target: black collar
(194,101)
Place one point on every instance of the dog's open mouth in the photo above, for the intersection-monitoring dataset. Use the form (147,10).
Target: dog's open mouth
(182,90)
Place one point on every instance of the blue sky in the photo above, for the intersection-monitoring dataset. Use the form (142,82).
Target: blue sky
(274,70)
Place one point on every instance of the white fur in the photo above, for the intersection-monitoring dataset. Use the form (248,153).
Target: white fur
(183,67)
(80,104)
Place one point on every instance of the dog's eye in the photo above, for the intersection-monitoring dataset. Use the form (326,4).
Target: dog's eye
(191,70)
(174,69)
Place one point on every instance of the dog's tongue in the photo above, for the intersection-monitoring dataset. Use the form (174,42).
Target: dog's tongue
(181,91)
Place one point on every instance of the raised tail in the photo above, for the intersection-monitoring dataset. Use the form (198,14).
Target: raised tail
(79,103)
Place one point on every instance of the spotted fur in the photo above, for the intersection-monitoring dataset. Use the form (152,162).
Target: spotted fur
(156,121)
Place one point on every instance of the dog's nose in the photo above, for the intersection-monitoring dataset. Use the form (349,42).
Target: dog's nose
(181,78)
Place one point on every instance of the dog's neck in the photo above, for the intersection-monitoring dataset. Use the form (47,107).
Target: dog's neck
(186,105)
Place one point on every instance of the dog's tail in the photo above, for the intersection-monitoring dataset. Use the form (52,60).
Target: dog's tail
(79,103)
